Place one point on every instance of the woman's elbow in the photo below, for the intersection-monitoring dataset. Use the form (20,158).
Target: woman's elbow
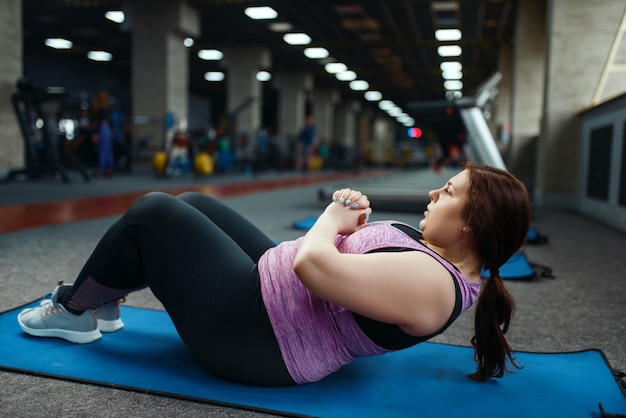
(300,264)
(305,264)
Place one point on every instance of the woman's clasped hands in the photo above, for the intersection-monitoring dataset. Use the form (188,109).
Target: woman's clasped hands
(350,209)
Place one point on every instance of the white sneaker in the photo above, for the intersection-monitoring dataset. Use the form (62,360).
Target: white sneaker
(108,314)
(51,319)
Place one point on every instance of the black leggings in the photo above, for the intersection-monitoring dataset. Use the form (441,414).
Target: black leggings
(199,258)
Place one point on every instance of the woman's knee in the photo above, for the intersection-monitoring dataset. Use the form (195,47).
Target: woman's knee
(192,197)
(150,203)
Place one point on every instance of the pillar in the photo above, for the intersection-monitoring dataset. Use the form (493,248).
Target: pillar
(324,102)
(244,93)
(346,129)
(364,135)
(528,74)
(11,140)
(159,69)
(292,96)
(382,140)
(579,35)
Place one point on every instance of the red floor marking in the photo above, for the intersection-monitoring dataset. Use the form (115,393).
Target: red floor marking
(18,217)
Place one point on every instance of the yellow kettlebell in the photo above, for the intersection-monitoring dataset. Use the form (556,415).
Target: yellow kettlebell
(159,162)
(203,163)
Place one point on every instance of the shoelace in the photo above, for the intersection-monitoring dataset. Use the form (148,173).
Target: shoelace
(51,309)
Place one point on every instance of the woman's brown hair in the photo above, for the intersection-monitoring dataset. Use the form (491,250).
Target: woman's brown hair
(498,211)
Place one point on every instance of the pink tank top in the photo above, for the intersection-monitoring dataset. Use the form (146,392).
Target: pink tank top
(317,337)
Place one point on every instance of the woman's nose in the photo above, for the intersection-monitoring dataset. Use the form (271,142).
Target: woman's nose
(432,195)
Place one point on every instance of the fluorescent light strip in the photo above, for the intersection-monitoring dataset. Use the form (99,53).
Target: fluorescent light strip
(263,76)
(261,13)
(316,53)
(452,75)
(346,76)
(373,96)
(451,66)
(449,51)
(116,16)
(386,104)
(214,76)
(210,54)
(453,84)
(359,85)
(99,56)
(59,43)
(297,38)
(335,67)
(281,27)
(448,35)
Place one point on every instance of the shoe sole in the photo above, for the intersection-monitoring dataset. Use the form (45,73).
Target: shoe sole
(71,336)
(112,325)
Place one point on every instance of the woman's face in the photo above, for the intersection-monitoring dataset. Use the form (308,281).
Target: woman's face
(443,223)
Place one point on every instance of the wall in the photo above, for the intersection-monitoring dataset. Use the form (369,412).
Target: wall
(602,178)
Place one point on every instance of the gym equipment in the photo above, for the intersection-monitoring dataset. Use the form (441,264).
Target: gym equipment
(159,162)
(203,163)
(37,115)
(429,379)
(481,146)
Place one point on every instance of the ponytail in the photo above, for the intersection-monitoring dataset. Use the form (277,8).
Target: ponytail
(497,212)
(494,310)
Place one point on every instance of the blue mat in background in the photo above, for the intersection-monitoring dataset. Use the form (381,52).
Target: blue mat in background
(428,380)
(305,223)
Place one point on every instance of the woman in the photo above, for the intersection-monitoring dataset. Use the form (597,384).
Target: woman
(261,314)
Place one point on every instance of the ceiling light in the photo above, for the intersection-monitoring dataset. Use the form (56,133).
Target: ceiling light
(316,53)
(451,66)
(116,16)
(448,35)
(440,6)
(335,67)
(394,111)
(402,117)
(59,43)
(451,95)
(263,76)
(188,42)
(297,38)
(346,76)
(210,54)
(359,85)
(262,12)
(409,122)
(99,56)
(385,104)
(373,96)
(449,51)
(453,84)
(452,75)
(214,76)
(281,27)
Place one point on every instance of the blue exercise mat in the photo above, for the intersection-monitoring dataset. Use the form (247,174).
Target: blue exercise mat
(516,267)
(305,223)
(428,380)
